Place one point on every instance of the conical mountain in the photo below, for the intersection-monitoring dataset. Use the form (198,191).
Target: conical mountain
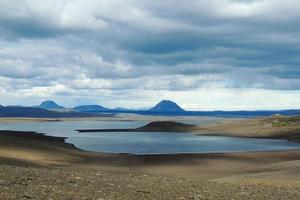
(166,106)
(50,105)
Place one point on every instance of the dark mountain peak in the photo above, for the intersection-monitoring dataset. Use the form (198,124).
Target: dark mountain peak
(166,101)
(166,106)
(50,105)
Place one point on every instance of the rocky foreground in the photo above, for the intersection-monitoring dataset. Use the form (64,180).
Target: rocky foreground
(37,167)
(41,183)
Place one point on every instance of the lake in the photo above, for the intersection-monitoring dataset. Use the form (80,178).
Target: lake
(141,143)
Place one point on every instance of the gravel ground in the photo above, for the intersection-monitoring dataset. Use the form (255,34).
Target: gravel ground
(35,167)
(69,183)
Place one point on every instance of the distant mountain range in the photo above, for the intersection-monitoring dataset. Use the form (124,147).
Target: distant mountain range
(50,109)
(11,111)
(165,106)
(90,108)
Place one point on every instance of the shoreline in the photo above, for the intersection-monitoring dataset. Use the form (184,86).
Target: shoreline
(60,141)
(44,137)
(284,128)
(245,137)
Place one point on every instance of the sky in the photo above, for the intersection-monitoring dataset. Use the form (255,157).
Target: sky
(202,54)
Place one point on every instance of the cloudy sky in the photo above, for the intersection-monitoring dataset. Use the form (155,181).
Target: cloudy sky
(203,54)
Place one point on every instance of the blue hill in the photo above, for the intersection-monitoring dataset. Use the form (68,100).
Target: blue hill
(50,105)
(90,108)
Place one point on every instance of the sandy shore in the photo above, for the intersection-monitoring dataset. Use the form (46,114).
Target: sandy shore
(39,168)
(277,127)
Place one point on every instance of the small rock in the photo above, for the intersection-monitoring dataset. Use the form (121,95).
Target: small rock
(196,197)
(27,197)
(71,181)
(143,191)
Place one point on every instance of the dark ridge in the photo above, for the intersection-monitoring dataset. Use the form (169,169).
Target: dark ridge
(16,135)
(32,135)
(166,126)
(157,126)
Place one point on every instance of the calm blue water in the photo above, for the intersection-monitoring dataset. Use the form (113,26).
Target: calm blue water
(146,142)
